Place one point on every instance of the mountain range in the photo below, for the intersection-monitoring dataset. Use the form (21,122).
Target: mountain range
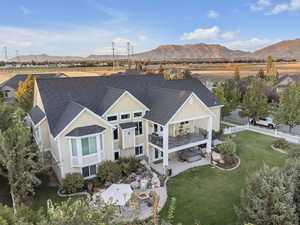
(289,49)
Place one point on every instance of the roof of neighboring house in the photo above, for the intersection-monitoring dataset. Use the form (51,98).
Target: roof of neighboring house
(14,81)
(127,125)
(36,115)
(162,97)
(292,79)
(87,130)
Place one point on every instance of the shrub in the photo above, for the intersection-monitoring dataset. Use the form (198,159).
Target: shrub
(109,171)
(217,134)
(281,143)
(228,149)
(73,182)
(128,165)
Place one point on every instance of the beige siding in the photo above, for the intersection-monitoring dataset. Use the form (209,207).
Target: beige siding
(217,117)
(129,152)
(44,132)
(191,109)
(125,104)
(37,98)
(128,138)
(85,119)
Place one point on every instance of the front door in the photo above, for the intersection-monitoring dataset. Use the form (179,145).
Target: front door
(158,154)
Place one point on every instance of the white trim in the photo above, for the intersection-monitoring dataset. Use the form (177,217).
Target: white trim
(190,119)
(89,165)
(85,136)
(178,110)
(77,116)
(61,164)
(137,111)
(182,147)
(39,123)
(116,151)
(125,92)
(155,146)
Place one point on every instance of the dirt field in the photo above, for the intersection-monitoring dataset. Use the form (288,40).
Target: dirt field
(215,71)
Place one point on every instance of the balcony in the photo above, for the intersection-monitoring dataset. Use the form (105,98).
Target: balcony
(179,140)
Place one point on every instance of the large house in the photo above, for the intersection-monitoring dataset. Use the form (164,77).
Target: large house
(10,86)
(83,121)
(287,80)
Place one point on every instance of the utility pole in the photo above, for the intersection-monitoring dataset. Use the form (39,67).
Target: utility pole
(113,54)
(128,55)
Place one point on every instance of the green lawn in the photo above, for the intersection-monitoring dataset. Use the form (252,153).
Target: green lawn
(208,195)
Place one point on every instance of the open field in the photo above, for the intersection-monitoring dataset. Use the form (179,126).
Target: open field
(207,195)
(214,71)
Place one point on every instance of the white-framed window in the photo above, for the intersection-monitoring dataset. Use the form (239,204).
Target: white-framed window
(139,150)
(7,93)
(89,145)
(116,154)
(86,146)
(137,114)
(89,171)
(112,118)
(116,134)
(138,128)
(125,116)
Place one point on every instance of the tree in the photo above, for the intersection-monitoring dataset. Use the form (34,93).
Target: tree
(187,74)
(24,94)
(220,95)
(261,74)
(6,115)
(161,69)
(1,97)
(255,103)
(237,76)
(288,111)
(19,160)
(271,69)
(269,199)
(6,216)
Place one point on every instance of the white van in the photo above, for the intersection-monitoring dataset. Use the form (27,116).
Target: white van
(267,122)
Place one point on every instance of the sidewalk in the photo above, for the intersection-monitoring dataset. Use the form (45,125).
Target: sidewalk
(274,133)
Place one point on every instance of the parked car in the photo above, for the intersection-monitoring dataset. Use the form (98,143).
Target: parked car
(267,122)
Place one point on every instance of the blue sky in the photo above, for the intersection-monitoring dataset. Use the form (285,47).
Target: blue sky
(83,27)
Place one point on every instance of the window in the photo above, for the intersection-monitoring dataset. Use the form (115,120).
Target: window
(117,155)
(139,150)
(116,134)
(137,114)
(6,93)
(139,128)
(186,122)
(74,147)
(112,118)
(89,145)
(161,129)
(89,171)
(155,127)
(125,116)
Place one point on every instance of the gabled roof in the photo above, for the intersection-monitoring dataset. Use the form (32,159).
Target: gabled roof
(87,130)
(127,125)
(36,115)
(14,81)
(64,98)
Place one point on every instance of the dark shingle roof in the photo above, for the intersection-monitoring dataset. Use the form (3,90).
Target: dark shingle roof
(14,81)
(127,125)
(87,130)
(162,97)
(36,115)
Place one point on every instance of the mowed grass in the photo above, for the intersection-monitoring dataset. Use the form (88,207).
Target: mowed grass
(208,195)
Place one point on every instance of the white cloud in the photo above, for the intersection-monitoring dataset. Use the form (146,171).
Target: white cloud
(260,5)
(25,10)
(212,14)
(250,44)
(201,34)
(292,5)
(209,34)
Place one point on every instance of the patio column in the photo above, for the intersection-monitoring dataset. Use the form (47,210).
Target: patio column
(165,147)
(209,135)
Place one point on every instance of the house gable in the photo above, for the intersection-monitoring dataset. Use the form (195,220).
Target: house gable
(125,103)
(191,108)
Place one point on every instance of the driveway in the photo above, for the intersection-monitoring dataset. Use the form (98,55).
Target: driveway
(236,117)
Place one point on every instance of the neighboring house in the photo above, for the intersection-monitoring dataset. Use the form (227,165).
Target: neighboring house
(286,80)
(10,86)
(204,80)
(83,121)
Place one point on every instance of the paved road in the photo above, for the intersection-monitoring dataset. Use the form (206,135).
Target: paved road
(236,117)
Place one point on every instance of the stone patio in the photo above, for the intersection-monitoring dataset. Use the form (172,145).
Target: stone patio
(178,166)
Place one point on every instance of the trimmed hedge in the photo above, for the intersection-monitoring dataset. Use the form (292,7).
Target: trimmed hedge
(73,182)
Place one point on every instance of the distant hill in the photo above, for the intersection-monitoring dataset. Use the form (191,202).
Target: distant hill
(202,51)
(44,58)
(289,49)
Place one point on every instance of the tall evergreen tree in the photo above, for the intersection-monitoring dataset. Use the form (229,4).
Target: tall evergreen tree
(237,76)
(269,199)
(289,107)
(255,102)
(24,94)
(18,160)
